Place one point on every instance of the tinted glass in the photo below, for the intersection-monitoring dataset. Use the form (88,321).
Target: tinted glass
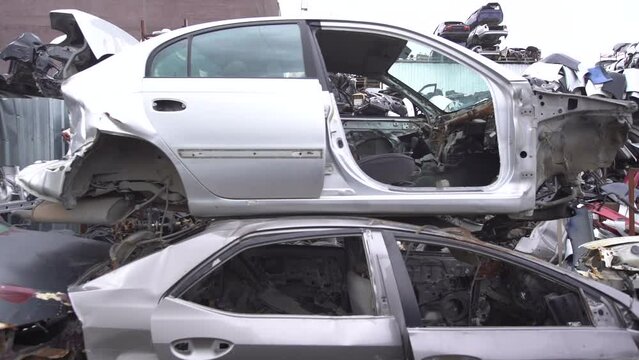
(255,51)
(171,61)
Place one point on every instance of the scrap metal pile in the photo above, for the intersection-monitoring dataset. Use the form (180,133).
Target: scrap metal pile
(483,32)
(129,201)
(596,238)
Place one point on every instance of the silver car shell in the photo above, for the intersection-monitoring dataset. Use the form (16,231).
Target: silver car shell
(116,309)
(117,107)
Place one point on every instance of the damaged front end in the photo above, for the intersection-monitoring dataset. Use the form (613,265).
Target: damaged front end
(614,261)
(38,69)
(575,133)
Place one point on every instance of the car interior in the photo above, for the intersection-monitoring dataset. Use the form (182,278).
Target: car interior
(330,276)
(320,277)
(436,134)
(458,288)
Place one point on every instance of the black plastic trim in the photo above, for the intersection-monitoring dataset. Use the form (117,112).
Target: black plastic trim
(412,315)
(312,50)
(188,56)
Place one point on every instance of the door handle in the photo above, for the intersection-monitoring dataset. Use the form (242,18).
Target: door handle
(168,105)
(451,357)
(200,348)
(182,348)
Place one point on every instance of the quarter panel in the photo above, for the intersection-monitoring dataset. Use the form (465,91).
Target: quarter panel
(115,309)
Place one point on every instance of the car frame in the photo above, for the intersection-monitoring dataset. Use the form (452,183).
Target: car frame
(119,132)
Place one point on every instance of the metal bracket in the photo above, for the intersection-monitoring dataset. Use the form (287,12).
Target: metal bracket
(18,205)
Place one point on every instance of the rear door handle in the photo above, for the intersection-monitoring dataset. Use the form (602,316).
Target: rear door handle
(200,348)
(168,105)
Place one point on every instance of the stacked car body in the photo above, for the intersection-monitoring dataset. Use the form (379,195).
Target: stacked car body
(482,32)
(182,155)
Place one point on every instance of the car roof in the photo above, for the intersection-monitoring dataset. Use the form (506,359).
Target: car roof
(192,28)
(158,40)
(245,226)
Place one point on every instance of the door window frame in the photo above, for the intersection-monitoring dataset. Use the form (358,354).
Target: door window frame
(411,310)
(309,51)
(220,257)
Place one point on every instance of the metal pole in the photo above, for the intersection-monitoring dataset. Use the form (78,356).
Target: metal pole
(631,200)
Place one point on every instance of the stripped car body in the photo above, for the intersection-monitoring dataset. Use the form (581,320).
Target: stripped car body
(146,135)
(222,292)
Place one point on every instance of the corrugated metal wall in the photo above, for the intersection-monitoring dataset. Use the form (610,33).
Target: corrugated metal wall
(30,130)
(516,68)
(447,76)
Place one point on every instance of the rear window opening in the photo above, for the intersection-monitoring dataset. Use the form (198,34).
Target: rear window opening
(412,117)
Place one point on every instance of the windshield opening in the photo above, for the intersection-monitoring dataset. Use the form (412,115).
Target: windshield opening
(446,84)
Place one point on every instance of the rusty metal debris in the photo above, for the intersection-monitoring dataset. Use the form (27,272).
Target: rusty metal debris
(47,353)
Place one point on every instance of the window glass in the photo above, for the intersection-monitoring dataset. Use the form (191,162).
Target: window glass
(171,61)
(327,276)
(254,51)
(459,288)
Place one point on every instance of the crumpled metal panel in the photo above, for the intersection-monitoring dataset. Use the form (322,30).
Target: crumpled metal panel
(47,262)
(30,130)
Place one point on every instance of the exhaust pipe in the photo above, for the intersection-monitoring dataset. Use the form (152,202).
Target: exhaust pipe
(103,211)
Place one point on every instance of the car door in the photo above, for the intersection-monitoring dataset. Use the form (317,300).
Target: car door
(241,107)
(310,295)
(464,303)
